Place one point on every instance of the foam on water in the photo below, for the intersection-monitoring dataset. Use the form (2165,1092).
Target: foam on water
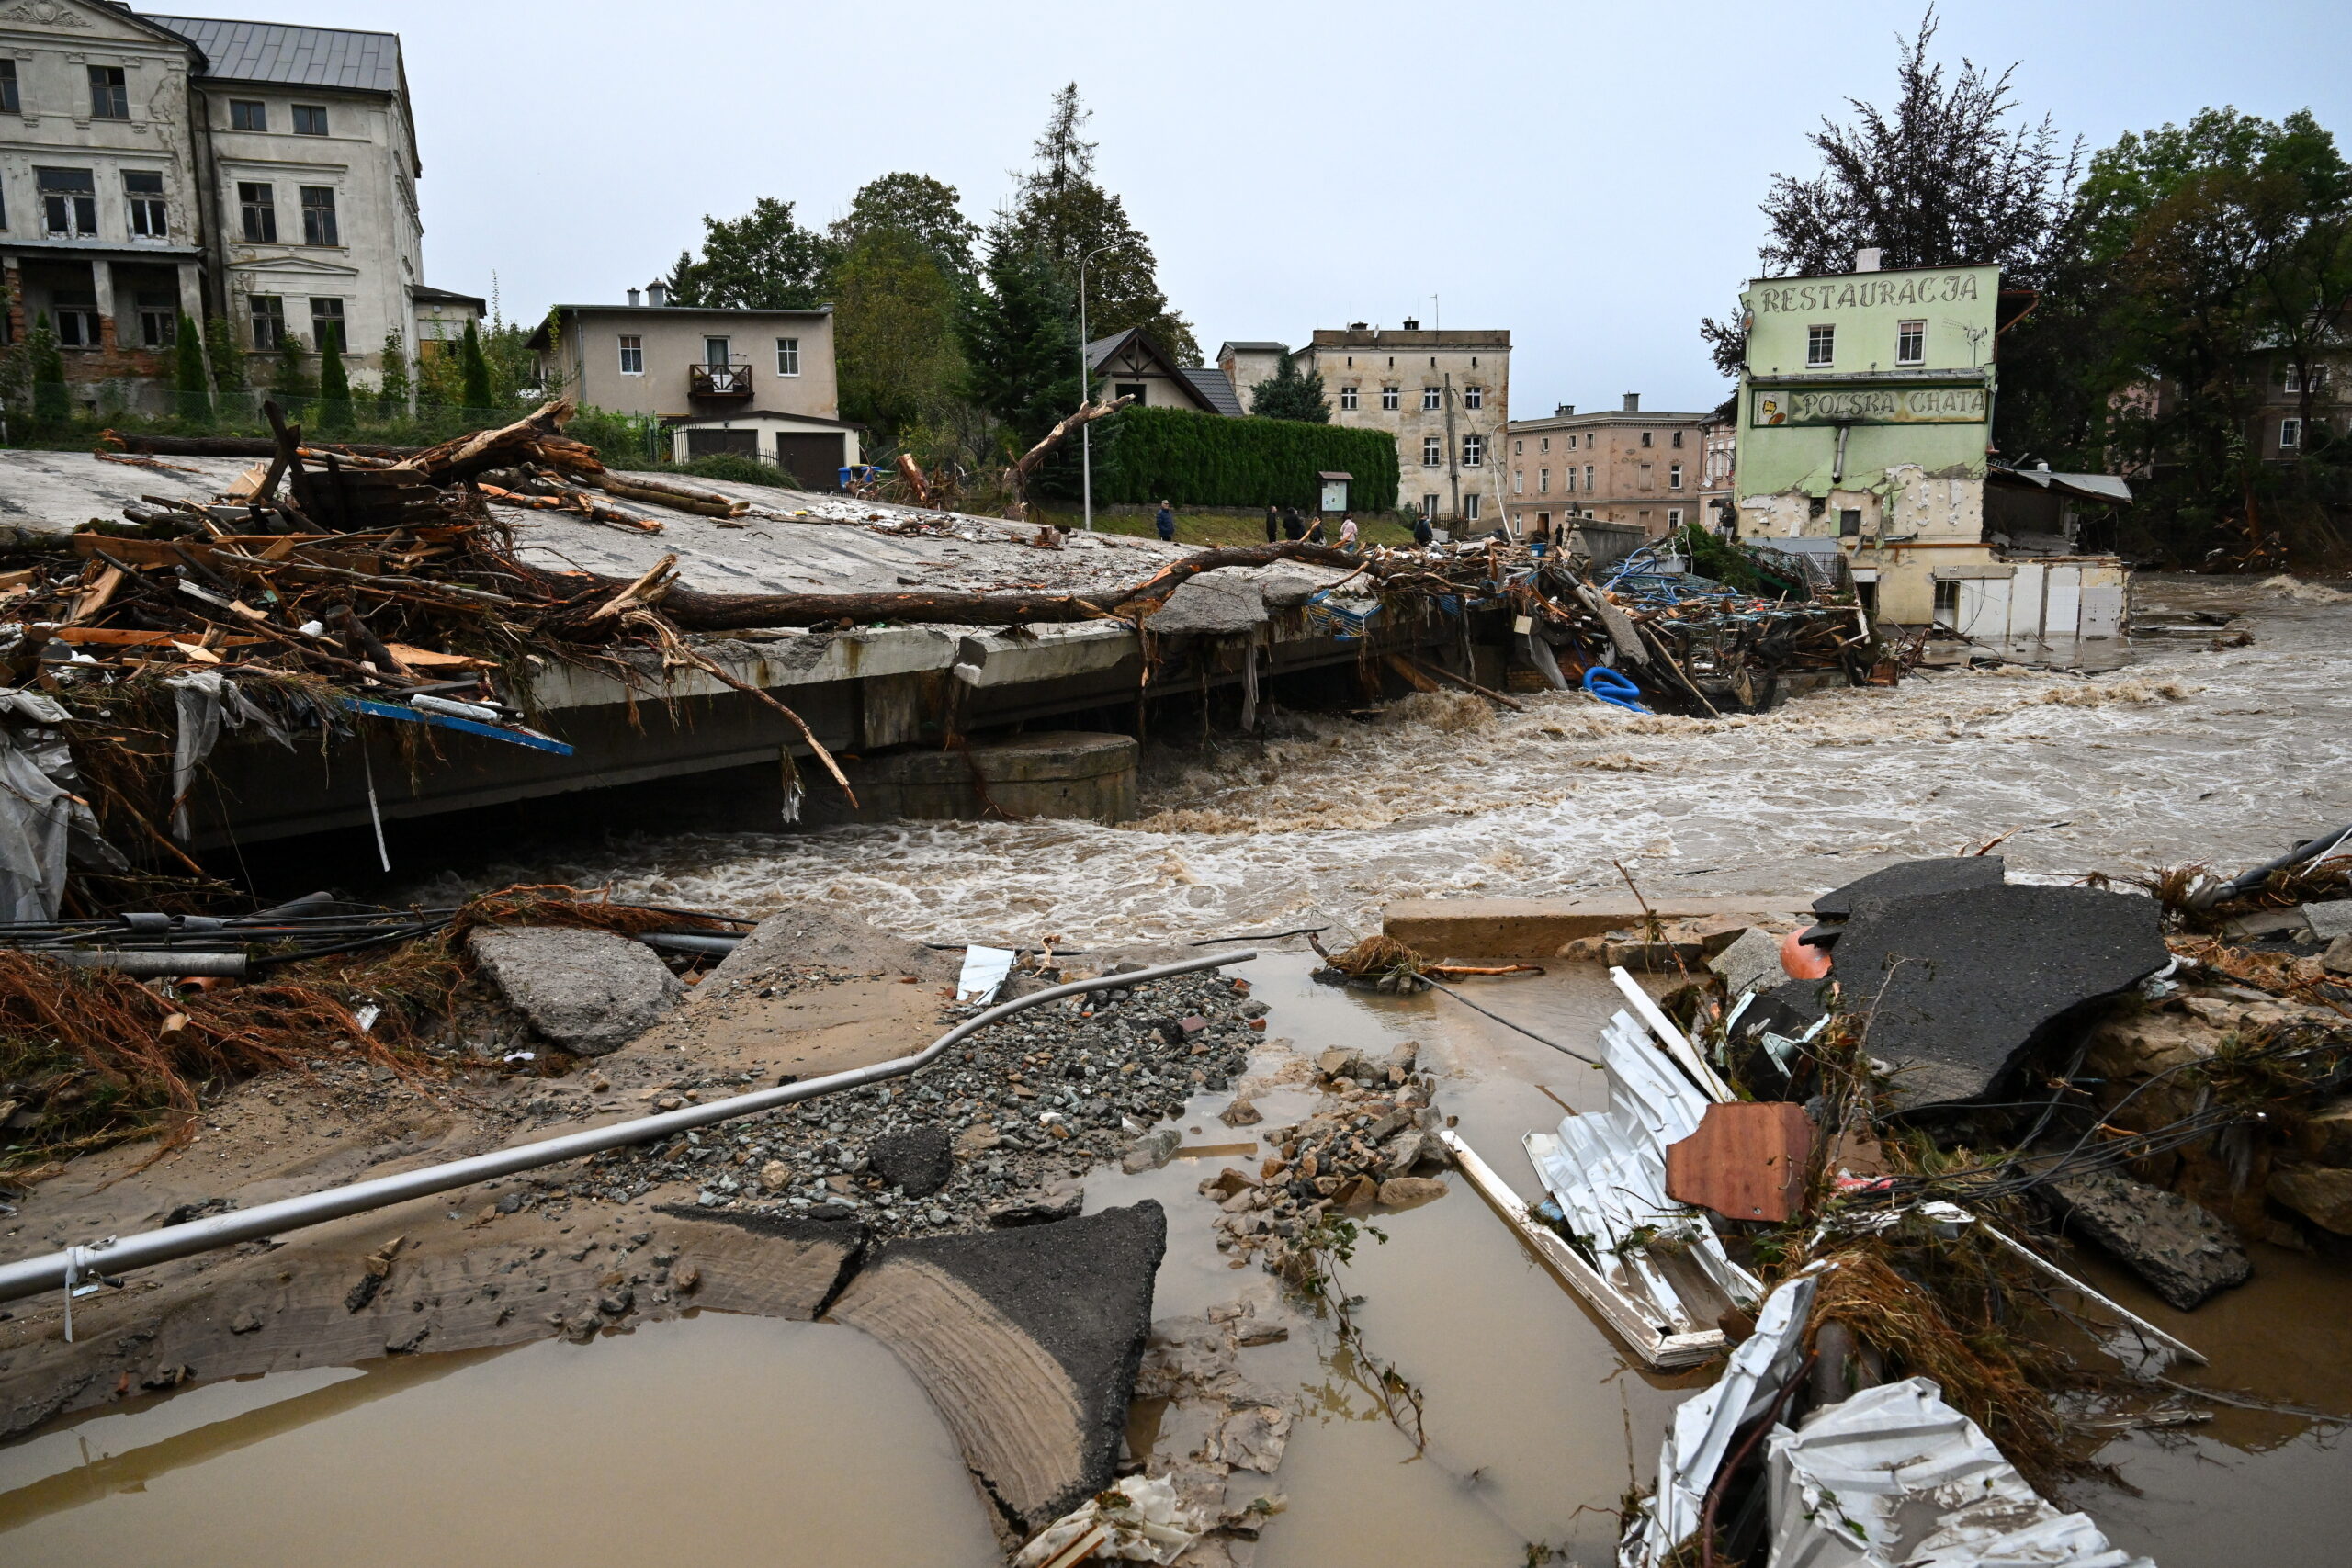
(2185,755)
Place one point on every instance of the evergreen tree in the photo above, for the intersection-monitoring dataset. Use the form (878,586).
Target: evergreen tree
(1021,338)
(52,403)
(393,381)
(189,379)
(290,383)
(228,369)
(334,382)
(1063,213)
(1289,395)
(474,371)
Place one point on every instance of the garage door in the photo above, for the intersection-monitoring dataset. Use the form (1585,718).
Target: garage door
(814,460)
(713,443)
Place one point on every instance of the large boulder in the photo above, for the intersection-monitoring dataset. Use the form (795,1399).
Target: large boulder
(919,1161)
(590,992)
(2321,1196)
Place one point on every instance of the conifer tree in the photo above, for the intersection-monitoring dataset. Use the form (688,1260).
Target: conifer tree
(189,379)
(291,384)
(393,381)
(50,401)
(334,382)
(475,370)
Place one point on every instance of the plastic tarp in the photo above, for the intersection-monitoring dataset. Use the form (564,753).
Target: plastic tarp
(1700,1439)
(44,826)
(1896,1478)
(206,700)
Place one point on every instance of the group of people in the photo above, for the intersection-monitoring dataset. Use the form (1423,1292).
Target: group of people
(1288,523)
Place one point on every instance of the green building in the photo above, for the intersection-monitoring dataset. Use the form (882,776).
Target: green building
(1866,416)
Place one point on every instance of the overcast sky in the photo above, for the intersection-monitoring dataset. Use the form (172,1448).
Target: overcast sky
(1584,175)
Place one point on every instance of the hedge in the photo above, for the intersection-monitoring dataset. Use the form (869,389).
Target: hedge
(1206,459)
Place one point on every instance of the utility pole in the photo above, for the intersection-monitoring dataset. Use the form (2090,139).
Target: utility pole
(1452,453)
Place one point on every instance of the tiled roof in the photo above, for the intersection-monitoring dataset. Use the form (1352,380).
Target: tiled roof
(1218,391)
(299,57)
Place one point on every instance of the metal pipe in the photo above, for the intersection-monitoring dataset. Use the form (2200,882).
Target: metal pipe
(2248,881)
(682,942)
(113,1256)
(143,963)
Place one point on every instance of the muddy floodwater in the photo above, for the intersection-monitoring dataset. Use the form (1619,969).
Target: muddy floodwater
(749,1440)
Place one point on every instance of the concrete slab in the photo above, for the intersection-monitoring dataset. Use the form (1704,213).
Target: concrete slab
(1909,878)
(1960,985)
(590,992)
(2183,1252)
(1027,1340)
(1210,606)
(1525,929)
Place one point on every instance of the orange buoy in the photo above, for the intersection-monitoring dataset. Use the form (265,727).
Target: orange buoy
(1803,961)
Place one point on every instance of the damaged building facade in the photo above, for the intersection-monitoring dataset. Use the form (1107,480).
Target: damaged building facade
(1865,431)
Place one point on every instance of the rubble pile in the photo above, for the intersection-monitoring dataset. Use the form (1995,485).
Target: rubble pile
(1377,1128)
(997,1134)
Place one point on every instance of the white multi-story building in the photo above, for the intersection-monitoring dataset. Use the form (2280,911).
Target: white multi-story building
(151,165)
(1444,395)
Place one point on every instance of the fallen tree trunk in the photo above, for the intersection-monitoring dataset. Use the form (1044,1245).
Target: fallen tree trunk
(653,492)
(536,437)
(694,610)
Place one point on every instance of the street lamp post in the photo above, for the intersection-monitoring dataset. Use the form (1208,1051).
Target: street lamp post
(1085,396)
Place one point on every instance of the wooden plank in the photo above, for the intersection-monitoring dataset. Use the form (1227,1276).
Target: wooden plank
(1647,1339)
(110,637)
(1745,1161)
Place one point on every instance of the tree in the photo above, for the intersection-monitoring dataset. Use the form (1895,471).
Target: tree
(913,205)
(474,372)
(190,383)
(894,333)
(762,260)
(228,368)
(1946,179)
(392,381)
(1020,339)
(1064,213)
(334,382)
(51,402)
(290,383)
(1288,395)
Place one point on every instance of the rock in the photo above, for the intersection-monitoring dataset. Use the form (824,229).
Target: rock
(776,1176)
(2321,1196)
(1228,1182)
(1151,1151)
(1912,879)
(1213,604)
(2184,1253)
(2139,1044)
(1059,1200)
(918,1161)
(2326,1137)
(1240,1113)
(590,992)
(1253,1439)
(2337,959)
(407,1340)
(1248,1335)
(1356,1192)
(1027,1341)
(2331,921)
(245,1321)
(977,1139)
(1287,590)
(1961,984)
(1750,963)
(1403,1152)
(1406,1191)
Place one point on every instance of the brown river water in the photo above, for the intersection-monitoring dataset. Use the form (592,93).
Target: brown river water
(800,1444)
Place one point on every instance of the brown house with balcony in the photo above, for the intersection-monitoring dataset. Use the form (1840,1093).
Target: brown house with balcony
(757,384)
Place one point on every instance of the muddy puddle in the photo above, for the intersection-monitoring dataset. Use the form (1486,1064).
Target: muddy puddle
(808,1444)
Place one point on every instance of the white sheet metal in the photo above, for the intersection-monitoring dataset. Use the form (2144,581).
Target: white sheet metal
(984,971)
(1896,1476)
(1700,1439)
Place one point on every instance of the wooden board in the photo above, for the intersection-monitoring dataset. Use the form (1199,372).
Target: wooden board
(1746,1161)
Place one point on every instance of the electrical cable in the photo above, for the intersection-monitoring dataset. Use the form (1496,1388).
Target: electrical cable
(1506,1023)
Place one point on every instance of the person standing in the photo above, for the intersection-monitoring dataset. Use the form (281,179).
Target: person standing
(1274,523)
(1347,534)
(1315,529)
(1423,534)
(1293,529)
(1165,520)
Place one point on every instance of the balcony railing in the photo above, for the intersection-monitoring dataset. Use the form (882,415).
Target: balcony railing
(718,380)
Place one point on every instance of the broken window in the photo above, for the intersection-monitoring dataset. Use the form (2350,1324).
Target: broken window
(788,356)
(632,355)
(159,318)
(248,114)
(77,318)
(1432,451)
(1910,342)
(317,216)
(145,192)
(109,93)
(1347,400)
(69,201)
(270,321)
(257,207)
(1135,389)
(310,120)
(1389,399)
(1850,522)
(1820,344)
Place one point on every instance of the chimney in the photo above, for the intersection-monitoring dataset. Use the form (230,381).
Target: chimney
(1633,402)
(633,299)
(1411,325)
(657,294)
(1562,411)
(1867,261)
(1359,326)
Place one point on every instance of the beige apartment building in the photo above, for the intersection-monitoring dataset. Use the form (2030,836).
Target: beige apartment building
(748,383)
(158,164)
(1628,468)
(1718,466)
(1444,396)
(1247,363)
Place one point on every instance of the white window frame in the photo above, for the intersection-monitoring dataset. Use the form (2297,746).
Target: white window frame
(2291,434)
(1474,451)
(1674,517)
(1470,507)
(1392,398)
(788,356)
(1820,347)
(1432,399)
(1587,479)
(1674,476)
(1432,451)
(1519,481)
(1543,481)
(1911,343)
(1347,400)
(149,219)
(631,356)
(1473,397)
